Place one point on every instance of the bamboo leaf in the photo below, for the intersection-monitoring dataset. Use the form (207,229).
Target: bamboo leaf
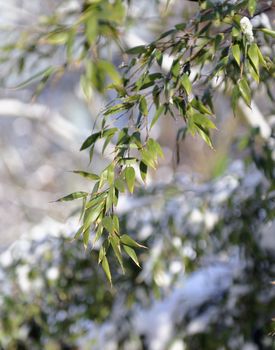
(132,254)
(130,176)
(245,91)
(107,222)
(158,113)
(254,57)
(87,175)
(185,82)
(73,196)
(90,141)
(106,268)
(236,53)
(143,106)
(127,240)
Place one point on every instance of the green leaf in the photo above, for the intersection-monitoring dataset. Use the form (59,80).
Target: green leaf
(117,108)
(132,254)
(119,184)
(245,91)
(205,136)
(143,106)
(154,147)
(268,32)
(198,105)
(109,69)
(159,57)
(87,175)
(57,38)
(107,222)
(73,196)
(90,140)
(148,158)
(185,82)
(127,240)
(91,29)
(261,58)
(116,223)
(200,119)
(136,50)
(106,268)
(41,74)
(237,53)
(158,113)
(235,97)
(117,250)
(175,69)
(79,232)
(254,57)
(110,174)
(91,215)
(98,233)
(86,237)
(130,176)
(252,4)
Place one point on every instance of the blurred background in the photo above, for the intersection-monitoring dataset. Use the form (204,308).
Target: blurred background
(208,220)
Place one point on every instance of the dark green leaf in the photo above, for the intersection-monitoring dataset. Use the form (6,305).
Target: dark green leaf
(236,53)
(90,140)
(143,106)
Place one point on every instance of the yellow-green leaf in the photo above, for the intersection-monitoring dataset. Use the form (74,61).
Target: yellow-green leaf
(186,83)
(106,268)
(132,254)
(252,6)
(127,240)
(108,224)
(130,176)
(236,53)
(143,106)
(245,91)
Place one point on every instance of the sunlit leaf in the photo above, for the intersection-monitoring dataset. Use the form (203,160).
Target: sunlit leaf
(236,53)
(130,176)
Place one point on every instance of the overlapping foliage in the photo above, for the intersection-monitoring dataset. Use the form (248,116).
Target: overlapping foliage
(215,49)
(64,302)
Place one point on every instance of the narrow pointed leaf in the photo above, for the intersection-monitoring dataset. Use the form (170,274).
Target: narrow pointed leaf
(127,240)
(237,53)
(106,268)
(158,113)
(73,196)
(245,91)
(132,254)
(130,176)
